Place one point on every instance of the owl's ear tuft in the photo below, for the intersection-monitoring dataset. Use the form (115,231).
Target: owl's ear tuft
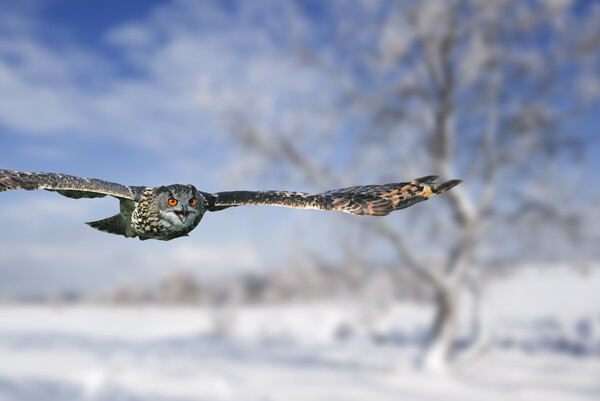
(162,189)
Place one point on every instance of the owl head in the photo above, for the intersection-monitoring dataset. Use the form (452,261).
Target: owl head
(179,206)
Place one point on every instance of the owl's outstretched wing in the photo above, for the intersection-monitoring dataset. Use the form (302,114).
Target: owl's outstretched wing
(374,200)
(67,185)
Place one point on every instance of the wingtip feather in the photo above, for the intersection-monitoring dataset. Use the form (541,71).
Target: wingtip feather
(425,180)
(445,186)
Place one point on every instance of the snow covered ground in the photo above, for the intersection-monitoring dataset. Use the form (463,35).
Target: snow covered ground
(545,331)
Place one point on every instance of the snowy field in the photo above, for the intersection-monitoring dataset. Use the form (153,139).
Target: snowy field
(544,332)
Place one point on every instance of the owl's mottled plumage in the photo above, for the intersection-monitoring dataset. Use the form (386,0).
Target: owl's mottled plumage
(173,211)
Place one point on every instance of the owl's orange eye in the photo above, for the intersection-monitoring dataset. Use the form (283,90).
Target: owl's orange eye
(172,202)
(192,202)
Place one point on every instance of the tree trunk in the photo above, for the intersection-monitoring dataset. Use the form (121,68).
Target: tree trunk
(440,343)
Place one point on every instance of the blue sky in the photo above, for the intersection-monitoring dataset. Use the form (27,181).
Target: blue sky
(126,91)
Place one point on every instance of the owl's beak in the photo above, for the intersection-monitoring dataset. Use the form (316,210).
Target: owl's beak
(182,214)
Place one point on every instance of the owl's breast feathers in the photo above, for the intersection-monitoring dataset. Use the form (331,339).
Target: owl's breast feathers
(145,219)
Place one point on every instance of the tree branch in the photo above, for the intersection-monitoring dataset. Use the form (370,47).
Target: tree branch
(410,260)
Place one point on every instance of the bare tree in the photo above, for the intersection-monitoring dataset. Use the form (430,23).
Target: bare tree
(484,91)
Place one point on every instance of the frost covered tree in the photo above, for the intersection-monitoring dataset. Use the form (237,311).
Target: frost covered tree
(490,92)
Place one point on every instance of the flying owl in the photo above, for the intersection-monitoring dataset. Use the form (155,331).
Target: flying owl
(172,211)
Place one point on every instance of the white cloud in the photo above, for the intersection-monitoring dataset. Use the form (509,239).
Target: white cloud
(62,89)
(187,59)
(131,35)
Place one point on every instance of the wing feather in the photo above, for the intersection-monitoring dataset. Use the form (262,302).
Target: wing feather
(67,185)
(373,200)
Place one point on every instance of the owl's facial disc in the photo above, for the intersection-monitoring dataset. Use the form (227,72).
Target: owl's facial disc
(179,207)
